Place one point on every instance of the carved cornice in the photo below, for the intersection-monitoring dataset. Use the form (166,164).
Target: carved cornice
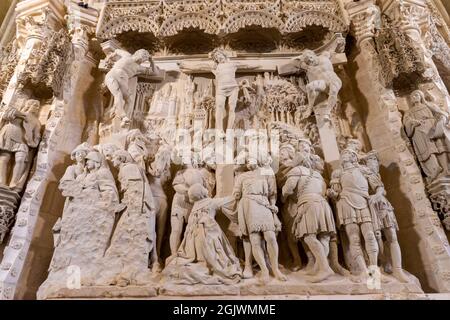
(164,18)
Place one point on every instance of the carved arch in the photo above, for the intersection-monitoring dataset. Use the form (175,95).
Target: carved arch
(183,21)
(249,18)
(124,24)
(301,20)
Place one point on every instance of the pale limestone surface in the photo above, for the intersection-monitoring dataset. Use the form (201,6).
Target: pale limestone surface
(332,179)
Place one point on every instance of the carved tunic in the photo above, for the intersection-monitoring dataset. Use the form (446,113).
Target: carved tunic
(312,213)
(352,206)
(254,214)
(17,134)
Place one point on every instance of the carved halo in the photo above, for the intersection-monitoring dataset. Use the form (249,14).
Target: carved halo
(124,24)
(251,18)
(174,25)
(301,20)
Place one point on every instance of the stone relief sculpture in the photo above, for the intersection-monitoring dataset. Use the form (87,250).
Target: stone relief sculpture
(257,217)
(205,255)
(20,133)
(428,128)
(321,79)
(313,219)
(123,70)
(159,178)
(384,220)
(181,206)
(85,228)
(350,188)
(227,87)
(134,240)
(312,185)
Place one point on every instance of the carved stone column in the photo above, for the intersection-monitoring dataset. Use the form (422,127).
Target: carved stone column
(408,16)
(36,21)
(63,131)
(420,228)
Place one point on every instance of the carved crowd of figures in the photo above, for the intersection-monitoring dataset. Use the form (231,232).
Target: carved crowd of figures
(122,199)
(117,209)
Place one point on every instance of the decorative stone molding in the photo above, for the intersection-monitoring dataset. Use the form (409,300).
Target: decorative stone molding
(168,18)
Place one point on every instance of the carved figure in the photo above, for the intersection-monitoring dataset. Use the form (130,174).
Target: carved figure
(134,240)
(118,78)
(86,225)
(384,219)
(350,187)
(321,78)
(20,131)
(256,191)
(227,87)
(428,128)
(205,255)
(159,176)
(313,218)
(181,206)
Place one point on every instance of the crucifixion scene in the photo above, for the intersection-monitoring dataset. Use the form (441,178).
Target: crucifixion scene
(254,149)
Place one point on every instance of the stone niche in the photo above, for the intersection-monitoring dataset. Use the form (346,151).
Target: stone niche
(230,148)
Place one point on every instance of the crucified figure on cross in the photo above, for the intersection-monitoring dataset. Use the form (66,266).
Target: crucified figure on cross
(227,88)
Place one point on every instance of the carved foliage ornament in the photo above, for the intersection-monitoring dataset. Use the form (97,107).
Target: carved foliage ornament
(168,18)
(397,54)
(46,69)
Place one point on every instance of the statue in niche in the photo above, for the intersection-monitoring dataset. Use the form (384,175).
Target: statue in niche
(205,255)
(192,173)
(118,79)
(159,176)
(20,131)
(350,188)
(384,219)
(428,128)
(321,79)
(256,192)
(86,224)
(227,88)
(313,221)
(134,240)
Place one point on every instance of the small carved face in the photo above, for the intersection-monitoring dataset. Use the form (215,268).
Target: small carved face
(416,97)
(304,146)
(80,156)
(219,57)
(372,163)
(91,164)
(310,58)
(117,160)
(348,157)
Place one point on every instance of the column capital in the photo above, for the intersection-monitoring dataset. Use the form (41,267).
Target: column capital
(365,19)
(406,14)
(38,18)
